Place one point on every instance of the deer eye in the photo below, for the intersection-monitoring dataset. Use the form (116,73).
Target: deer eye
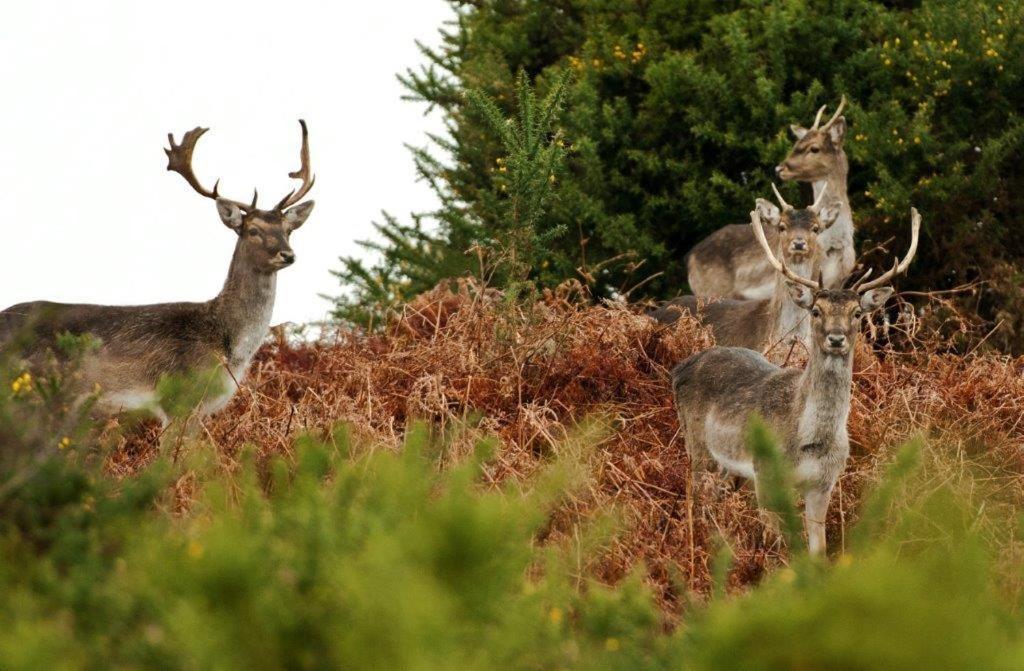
(253,232)
(815,150)
(815,228)
(857,314)
(816,312)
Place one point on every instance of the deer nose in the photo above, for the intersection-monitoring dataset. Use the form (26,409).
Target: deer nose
(837,340)
(778,169)
(799,245)
(286,257)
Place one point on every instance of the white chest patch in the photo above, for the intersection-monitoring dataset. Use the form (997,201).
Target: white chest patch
(247,341)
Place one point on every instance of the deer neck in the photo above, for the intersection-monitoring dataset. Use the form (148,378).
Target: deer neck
(842,230)
(244,308)
(789,318)
(824,398)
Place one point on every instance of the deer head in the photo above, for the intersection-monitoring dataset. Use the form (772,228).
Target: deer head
(836,314)
(818,151)
(263,234)
(798,229)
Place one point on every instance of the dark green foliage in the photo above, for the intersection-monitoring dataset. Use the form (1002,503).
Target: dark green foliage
(506,251)
(679,110)
(39,415)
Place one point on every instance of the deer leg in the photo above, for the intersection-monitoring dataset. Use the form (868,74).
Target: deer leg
(815,513)
(698,464)
(769,519)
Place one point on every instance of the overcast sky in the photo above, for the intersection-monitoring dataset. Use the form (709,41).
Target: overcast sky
(91,89)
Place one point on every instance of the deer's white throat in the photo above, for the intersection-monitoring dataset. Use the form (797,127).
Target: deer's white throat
(825,393)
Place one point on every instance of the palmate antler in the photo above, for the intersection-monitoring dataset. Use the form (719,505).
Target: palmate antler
(304,173)
(179,160)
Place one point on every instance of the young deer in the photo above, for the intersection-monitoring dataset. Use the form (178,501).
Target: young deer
(140,344)
(729,263)
(759,324)
(717,390)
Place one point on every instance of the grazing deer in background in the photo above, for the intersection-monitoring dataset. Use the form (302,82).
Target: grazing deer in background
(717,391)
(140,344)
(729,263)
(759,324)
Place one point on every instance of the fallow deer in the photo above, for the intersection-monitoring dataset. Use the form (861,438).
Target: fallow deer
(717,391)
(729,263)
(137,345)
(759,324)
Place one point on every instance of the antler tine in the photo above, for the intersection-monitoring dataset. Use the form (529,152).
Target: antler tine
(899,267)
(835,117)
(304,173)
(179,160)
(863,277)
(755,223)
(817,119)
(816,207)
(782,201)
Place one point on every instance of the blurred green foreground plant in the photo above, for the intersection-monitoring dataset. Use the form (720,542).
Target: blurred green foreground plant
(347,555)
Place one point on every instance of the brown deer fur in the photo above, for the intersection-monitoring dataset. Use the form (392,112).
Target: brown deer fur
(728,263)
(137,345)
(759,324)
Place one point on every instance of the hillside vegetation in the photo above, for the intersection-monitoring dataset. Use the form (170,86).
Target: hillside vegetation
(536,520)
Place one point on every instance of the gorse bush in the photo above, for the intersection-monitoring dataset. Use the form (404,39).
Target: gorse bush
(346,556)
(678,111)
(505,253)
(38,414)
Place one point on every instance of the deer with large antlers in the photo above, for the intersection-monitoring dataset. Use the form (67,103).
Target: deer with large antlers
(137,345)
(729,262)
(759,324)
(717,390)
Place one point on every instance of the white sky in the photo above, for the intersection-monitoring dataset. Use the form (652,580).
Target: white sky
(91,89)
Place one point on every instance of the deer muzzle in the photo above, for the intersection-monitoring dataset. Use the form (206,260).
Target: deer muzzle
(836,343)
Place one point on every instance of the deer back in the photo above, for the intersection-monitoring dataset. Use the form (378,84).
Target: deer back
(729,263)
(734,323)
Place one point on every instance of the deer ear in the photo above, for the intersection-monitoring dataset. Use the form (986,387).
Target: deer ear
(296,216)
(798,131)
(801,295)
(837,131)
(230,214)
(768,211)
(875,298)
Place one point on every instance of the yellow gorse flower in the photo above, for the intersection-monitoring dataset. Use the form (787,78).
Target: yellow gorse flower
(22,384)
